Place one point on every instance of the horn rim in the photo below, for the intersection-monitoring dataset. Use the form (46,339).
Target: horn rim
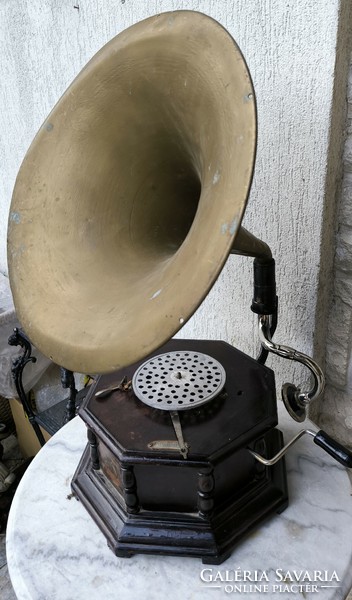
(111,353)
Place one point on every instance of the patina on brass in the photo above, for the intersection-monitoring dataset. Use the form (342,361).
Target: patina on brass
(131,195)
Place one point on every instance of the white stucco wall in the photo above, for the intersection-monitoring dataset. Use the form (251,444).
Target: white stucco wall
(335,413)
(290,49)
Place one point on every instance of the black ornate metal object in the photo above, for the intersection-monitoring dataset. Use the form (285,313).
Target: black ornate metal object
(54,417)
(18,338)
(68,381)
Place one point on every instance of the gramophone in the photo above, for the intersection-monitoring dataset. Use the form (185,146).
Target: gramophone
(125,209)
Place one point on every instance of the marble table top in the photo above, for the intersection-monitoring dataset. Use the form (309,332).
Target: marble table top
(56,552)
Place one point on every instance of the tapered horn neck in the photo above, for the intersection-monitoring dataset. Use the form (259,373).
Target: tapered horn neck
(246,244)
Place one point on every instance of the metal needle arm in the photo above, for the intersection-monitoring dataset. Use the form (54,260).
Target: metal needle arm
(175,418)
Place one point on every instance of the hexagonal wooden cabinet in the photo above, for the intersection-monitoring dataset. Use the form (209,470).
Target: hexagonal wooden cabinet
(146,497)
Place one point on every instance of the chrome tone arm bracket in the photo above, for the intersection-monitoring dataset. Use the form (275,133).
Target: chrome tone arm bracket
(295,399)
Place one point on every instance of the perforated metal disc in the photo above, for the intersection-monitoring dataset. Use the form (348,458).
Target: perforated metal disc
(178,380)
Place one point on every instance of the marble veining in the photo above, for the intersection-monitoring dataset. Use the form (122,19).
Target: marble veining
(56,552)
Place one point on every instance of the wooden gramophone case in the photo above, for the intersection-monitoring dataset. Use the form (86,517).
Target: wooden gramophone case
(127,205)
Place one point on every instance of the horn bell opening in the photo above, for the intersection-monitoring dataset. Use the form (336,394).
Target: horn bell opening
(128,201)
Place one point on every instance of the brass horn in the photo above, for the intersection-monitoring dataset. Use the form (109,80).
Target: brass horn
(131,195)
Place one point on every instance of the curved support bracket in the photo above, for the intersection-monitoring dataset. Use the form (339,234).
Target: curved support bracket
(68,381)
(18,338)
(295,399)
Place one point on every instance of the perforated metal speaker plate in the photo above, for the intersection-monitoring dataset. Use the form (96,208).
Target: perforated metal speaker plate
(178,380)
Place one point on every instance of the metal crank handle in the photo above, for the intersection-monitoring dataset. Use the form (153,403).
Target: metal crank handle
(322,439)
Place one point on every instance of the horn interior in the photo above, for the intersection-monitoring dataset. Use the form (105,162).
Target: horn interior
(128,201)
